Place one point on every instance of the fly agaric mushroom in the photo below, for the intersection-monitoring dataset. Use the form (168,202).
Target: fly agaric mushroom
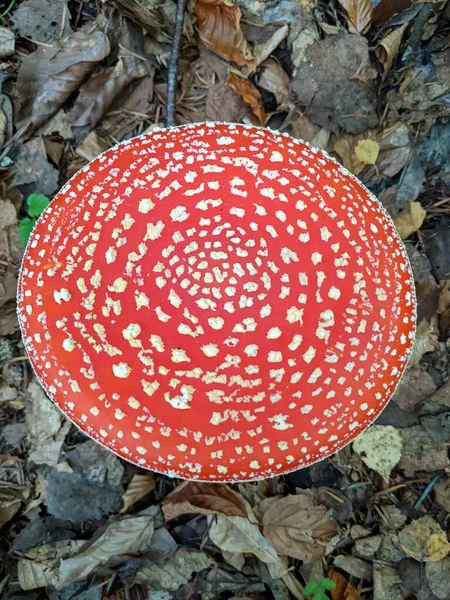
(217,302)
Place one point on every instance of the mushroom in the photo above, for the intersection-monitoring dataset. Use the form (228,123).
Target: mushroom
(217,302)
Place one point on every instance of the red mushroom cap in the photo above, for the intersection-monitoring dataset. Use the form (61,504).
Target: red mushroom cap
(217,302)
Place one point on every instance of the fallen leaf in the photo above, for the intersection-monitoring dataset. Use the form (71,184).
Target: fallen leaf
(420,453)
(443,309)
(47,427)
(235,559)
(415,386)
(367,151)
(442,493)
(92,146)
(130,536)
(344,147)
(424,540)
(7,42)
(410,222)
(387,49)
(359,13)
(386,583)
(249,93)
(380,447)
(354,566)
(41,20)
(426,339)
(297,527)
(11,498)
(344,590)
(263,51)
(31,166)
(204,499)
(49,76)
(438,578)
(223,104)
(39,567)
(175,571)
(274,79)
(101,90)
(220,31)
(139,486)
(239,534)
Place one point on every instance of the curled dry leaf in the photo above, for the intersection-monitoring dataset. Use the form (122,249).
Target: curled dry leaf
(424,540)
(387,49)
(220,31)
(249,94)
(49,76)
(380,447)
(175,571)
(296,527)
(101,90)
(408,223)
(344,147)
(274,79)
(130,536)
(139,486)
(7,42)
(344,590)
(359,14)
(204,499)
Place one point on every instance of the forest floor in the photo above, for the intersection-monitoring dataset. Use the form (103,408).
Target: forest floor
(367,81)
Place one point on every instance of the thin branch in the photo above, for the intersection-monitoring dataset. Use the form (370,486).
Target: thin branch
(173,63)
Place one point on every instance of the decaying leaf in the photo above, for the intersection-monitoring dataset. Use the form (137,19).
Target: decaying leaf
(263,51)
(410,222)
(297,527)
(438,577)
(239,534)
(367,151)
(359,14)
(204,499)
(249,93)
(442,493)
(139,486)
(387,49)
(344,590)
(424,540)
(274,79)
(7,42)
(175,571)
(101,90)
(31,166)
(220,31)
(42,20)
(11,498)
(130,536)
(380,447)
(40,566)
(344,147)
(92,146)
(49,76)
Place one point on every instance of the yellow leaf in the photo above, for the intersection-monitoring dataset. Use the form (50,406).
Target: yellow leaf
(139,486)
(424,540)
(408,223)
(359,13)
(367,151)
(380,447)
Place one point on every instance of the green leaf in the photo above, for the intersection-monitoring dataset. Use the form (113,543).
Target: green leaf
(327,584)
(320,595)
(37,203)
(311,587)
(26,226)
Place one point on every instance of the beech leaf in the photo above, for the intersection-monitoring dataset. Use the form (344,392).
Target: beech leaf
(220,31)
(296,527)
(249,93)
(204,499)
(139,486)
(359,13)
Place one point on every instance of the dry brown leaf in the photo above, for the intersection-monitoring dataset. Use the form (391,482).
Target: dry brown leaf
(359,13)
(263,51)
(344,147)
(101,90)
(11,498)
(249,94)
(296,527)
(139,486)
(410,222)
(424,540)
(220,31)
(344,590)
(274,79)
(444,306)
(49,76)
(92,146)
(205,499)
(387,49)
(442,493)
(7,42)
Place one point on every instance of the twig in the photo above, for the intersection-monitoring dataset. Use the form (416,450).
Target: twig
(173,64)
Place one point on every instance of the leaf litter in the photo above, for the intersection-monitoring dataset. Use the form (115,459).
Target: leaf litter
(367,82)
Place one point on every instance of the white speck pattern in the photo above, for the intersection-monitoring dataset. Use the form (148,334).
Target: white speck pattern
(226,271)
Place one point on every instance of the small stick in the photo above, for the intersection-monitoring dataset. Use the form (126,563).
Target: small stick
(173,64)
